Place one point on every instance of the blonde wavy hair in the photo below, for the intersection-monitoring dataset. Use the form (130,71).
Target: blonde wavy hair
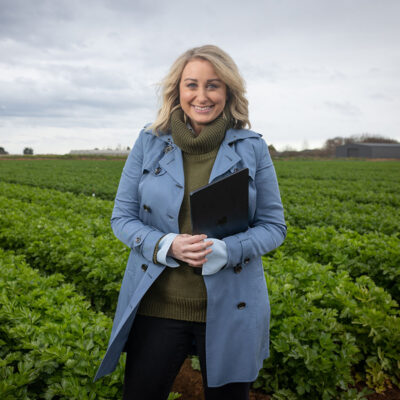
(227,71)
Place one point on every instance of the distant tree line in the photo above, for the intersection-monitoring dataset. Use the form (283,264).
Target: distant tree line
(26,151)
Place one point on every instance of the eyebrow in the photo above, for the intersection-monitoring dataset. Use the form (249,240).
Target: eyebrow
(208,80)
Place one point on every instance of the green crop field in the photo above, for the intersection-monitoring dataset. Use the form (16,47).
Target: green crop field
(334,284)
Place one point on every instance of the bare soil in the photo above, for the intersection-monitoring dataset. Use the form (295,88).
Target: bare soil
(189,384)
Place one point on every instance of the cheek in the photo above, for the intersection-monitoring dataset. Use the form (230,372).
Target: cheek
(221,100)
(184,97)
(220,97)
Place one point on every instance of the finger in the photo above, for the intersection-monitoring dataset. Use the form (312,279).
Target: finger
(189,253)
(193,261)
(197,264)
(200,246)
(197,238)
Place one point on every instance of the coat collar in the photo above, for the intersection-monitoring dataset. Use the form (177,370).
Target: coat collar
(231,136)
(226,158)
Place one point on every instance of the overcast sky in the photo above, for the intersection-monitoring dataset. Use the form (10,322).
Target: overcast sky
(83,74)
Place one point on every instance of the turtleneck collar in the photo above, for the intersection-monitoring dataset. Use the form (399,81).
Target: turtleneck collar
(209,138)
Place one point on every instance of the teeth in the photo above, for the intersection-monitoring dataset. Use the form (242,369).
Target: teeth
(202,108)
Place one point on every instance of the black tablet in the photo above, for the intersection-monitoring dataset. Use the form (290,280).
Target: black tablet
(220,209)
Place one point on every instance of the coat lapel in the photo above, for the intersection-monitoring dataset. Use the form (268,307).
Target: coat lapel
(171,161)
(227,156)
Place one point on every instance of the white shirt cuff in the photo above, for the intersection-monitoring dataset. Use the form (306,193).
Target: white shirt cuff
(163,247)
(216,259)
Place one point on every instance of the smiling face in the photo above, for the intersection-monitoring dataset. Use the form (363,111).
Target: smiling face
(202,93)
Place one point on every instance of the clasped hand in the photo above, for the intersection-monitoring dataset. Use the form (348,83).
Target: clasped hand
(191,249)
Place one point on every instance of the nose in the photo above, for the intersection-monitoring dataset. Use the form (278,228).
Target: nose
(202,95)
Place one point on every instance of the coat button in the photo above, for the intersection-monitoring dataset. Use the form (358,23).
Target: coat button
(144,267)
(237,269)
(157,170)
(241,305)
(137,240)
(146,208)
(246,260)
(168,149)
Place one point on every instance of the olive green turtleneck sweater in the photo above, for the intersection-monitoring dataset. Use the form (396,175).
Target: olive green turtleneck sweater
(179,293)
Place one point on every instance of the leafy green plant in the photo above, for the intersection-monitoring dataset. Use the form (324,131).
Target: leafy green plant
(373,254)
(174,396)
(51,341)
(324,328)
(81,247)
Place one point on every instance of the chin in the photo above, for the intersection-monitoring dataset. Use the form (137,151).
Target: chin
(204,121)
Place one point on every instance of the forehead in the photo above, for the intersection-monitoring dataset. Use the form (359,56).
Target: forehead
(198,68)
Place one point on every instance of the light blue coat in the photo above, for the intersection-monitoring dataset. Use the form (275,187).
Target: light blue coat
(238,311)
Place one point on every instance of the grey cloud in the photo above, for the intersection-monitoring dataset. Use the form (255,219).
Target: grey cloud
(381,97)
(93,77)
(27,97)
(344,108)
(36,22)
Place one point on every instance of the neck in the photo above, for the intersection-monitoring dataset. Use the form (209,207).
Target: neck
(197,128)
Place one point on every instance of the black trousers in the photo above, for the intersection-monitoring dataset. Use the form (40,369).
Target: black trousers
(157,348)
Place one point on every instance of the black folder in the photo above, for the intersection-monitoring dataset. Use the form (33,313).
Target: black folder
(220,209)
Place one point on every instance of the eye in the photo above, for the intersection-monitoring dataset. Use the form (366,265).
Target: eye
(212,86)
(191,85)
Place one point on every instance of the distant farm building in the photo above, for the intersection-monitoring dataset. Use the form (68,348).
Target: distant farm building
(369,150)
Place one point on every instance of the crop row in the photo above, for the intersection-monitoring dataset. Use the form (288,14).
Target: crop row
(51,341)
(373,254)
(55,199)
(302,208)
(361,218)
(84,251)
(348,180)
(384,192)
(339,171)
(89,177)
(357,195)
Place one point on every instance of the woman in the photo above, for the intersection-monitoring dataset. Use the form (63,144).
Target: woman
(165,311)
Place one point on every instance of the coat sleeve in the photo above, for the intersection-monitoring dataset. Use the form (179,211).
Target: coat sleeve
(268,229)
(125,220)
